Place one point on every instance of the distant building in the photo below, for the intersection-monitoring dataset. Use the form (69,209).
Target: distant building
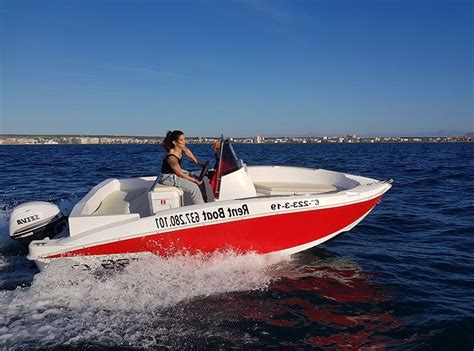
(88,140)
(83,139)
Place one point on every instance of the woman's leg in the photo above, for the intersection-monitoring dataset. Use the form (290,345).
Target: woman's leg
(166,179)
(205,187)
(191,188)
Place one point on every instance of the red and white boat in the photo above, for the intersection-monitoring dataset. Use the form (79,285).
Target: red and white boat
(265,209)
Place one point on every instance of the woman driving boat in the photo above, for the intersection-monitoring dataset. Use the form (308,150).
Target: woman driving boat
(171,171)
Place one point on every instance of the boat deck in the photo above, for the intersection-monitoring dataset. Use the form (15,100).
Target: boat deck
(121,202)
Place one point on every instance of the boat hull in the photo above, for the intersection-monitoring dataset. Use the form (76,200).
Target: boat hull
(285,233)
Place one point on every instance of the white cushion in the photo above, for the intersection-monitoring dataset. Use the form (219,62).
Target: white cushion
(118,202)
(113,204)
(158,188)
(290,187)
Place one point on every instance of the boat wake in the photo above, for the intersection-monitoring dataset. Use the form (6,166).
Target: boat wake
(143,303)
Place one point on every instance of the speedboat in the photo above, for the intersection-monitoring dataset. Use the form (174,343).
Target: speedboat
(263,209)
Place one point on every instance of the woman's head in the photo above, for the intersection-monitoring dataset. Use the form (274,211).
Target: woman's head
(172,139)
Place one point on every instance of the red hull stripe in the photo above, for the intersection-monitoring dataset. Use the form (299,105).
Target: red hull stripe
(263,234)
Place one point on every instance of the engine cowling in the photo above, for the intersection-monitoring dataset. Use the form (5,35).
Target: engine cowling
(35,221)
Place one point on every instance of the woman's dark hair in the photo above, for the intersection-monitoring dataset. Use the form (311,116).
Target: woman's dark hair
(169,138)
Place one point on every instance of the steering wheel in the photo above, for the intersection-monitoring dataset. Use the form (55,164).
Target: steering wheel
(203,171)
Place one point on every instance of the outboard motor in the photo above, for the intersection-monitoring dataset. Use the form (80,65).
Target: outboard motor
(35,221)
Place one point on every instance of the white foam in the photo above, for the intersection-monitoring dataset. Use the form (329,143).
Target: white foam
(68,307)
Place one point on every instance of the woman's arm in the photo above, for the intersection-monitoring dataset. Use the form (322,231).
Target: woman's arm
(173,162)
(191,156)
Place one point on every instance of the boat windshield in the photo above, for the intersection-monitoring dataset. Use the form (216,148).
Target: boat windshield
(229,161)
(226,163)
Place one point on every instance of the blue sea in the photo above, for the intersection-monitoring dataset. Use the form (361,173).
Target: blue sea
(402,279)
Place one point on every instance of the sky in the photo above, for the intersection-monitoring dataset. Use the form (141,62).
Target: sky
(241,68)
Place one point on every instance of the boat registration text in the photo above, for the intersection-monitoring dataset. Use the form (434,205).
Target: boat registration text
(201,216)
(294,204)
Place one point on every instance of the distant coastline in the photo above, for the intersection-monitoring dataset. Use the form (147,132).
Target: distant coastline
(16,139)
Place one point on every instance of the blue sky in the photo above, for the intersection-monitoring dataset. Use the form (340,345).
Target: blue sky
(236,67)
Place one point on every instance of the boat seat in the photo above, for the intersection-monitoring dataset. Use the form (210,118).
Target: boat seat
(162,188)
(117,202)
(283,188)
(163,197)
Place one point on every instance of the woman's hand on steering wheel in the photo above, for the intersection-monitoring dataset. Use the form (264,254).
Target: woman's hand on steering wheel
(205,166)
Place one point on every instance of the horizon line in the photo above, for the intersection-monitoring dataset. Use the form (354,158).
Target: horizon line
(408,135)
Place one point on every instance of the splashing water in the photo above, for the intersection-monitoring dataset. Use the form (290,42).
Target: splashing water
(118,307)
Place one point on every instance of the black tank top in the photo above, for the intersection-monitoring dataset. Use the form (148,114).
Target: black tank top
(165,166)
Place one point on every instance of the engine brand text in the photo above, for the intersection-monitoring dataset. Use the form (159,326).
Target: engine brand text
(28,219)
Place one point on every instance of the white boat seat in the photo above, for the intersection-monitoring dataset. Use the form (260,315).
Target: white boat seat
(163,197)
(282,188)
(117,202)
(162,188)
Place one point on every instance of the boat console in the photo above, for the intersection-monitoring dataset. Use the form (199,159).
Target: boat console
(164,197)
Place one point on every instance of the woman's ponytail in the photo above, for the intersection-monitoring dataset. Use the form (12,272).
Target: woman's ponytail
(169,138)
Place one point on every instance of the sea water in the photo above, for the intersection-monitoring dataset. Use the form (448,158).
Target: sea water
(402,278)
